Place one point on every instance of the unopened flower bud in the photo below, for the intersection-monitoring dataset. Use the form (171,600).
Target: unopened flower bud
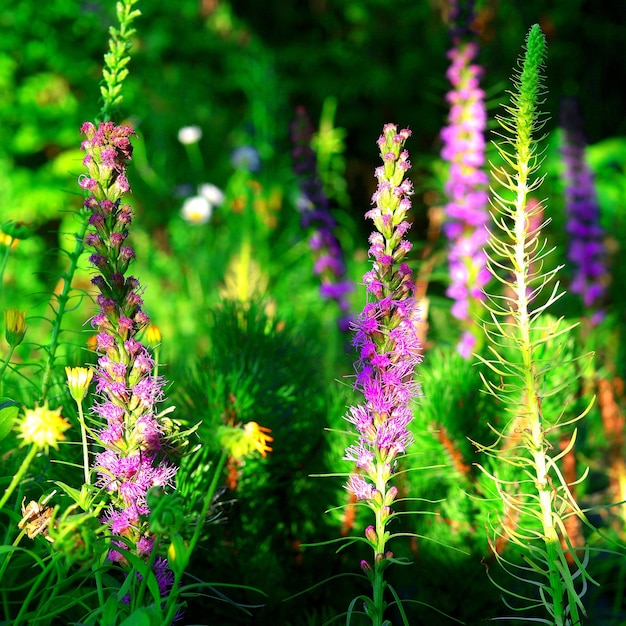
(153,335)
(78,381)
(178,552)
(371,535)
(16,230)
(15,326)
(377,497)
(391,494)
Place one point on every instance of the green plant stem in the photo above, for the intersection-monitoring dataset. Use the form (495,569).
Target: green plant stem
(7,559)
(19,474)
(178,571)
(195,158)
(378,581)
(83,436)
(62,304)
(138,600)
(37,582)
(5,258)
(97,573)
(7,361)
(531,408)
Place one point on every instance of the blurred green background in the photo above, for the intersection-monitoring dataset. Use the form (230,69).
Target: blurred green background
(238,70)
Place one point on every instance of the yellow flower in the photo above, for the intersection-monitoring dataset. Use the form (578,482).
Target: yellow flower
(241,442)
(43,427)
(153,335)
(15,326)
(78,381)
(258,437)
(7,240)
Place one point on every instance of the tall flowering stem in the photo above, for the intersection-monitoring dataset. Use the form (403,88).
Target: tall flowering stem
(315,208)
(133,459)
(466,186)
(526,476)
(387,340)
(114,72)
(586,248)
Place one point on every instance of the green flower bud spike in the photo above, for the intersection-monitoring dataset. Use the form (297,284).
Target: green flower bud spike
(118,57)
(526,477)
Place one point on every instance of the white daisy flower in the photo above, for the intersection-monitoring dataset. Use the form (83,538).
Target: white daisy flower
(189,134)
(197,210)
(214,195)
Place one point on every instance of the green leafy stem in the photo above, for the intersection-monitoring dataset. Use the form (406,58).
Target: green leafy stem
(516,258)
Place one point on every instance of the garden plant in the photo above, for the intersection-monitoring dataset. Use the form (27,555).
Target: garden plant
(280,347)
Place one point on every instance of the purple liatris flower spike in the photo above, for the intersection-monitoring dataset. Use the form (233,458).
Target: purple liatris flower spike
(315,208)
(387,340)
(133,459)
(466,188)
(586,247)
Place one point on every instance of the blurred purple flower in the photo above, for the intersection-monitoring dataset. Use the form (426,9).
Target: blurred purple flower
(466,189)
(314,206)
(586,246)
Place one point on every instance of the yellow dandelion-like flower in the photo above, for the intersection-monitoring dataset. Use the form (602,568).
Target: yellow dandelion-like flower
(258,437)
(241,442)
(43,427)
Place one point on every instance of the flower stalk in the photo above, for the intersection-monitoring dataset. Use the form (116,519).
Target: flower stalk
(389,349)
(78,381)
(134,458)
(62,300)
(466,185)
(114,72)
(517,322)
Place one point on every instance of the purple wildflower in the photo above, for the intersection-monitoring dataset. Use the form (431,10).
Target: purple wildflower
(466,186)
(389,349)
(386,338)
(314,206)
(586,248)
(132,460)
